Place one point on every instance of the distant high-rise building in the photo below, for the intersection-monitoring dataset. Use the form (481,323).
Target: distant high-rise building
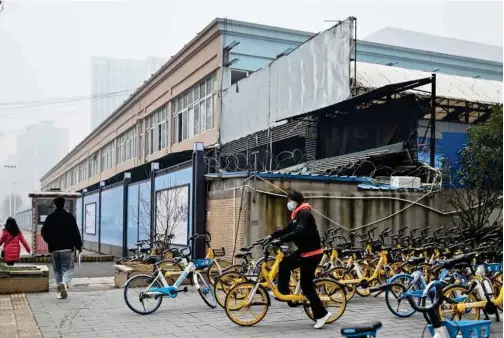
(39,148)
(114,80)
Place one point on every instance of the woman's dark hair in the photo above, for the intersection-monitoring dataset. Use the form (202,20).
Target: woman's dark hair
(296,196)
(12,227)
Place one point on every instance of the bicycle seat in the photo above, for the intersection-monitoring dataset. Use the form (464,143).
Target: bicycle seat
(416,260)
(132,250)
(328,251)
(243,255)
(361,329)
(140,243)
(145,250)
(150,260)
(246,249)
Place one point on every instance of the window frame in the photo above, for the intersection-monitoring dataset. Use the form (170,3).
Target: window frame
(156,123)
(183,115)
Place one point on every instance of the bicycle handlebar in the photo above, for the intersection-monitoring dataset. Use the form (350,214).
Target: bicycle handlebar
(206,236)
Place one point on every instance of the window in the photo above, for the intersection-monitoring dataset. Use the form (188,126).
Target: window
(94,164)
(157,129)
(107,156)
(193,110)
(237,75)
(126,145)
(83,171)
(75,175)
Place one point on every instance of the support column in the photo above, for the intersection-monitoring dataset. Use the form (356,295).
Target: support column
(126,180)
(83,219)
(199,197)
(154,167)
(102,184)
(433,122)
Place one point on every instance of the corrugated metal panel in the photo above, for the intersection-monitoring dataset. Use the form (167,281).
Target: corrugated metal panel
(262,138)
(447,86)
(329,164)
(313,76)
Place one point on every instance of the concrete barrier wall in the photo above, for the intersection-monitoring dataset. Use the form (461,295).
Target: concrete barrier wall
(262,212)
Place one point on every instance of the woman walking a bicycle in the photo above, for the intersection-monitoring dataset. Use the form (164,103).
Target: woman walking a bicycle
(303,232)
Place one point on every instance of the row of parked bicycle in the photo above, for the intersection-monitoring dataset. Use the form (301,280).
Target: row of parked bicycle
(448,276)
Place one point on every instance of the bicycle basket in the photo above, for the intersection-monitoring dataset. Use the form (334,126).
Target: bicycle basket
(468,328)
(219,252)
(202,263)
(493,267)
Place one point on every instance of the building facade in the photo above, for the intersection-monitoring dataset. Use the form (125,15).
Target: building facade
(114,80)
(176,106)
(180,103)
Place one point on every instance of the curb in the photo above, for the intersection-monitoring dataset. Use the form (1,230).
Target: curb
(47,259)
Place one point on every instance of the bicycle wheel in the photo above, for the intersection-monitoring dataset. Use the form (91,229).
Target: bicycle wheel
(139,285)
(269,263)
(394,296)
(205,291)
(458,293)
(332,295)
(224,283)
(237,298)
(216,268)
(340,274)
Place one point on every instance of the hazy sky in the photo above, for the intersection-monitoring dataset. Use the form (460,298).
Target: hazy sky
(46,46)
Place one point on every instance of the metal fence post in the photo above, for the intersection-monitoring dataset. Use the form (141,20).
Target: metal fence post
(127,178)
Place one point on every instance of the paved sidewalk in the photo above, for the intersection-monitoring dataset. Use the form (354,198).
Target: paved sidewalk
(16,318)
(87,284)
(104,314)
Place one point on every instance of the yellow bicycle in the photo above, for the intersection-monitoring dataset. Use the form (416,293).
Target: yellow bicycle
(252,299)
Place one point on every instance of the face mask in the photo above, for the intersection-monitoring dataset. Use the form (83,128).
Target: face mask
(291,205)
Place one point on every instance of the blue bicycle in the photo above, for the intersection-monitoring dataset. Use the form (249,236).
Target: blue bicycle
(155,287)
(415,283)
(437,327)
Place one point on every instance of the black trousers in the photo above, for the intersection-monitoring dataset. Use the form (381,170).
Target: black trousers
(307,268)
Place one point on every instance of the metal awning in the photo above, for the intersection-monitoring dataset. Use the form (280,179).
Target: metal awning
(451,87)
(458,98)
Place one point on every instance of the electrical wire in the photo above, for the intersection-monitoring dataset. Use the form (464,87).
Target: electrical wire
(42,103)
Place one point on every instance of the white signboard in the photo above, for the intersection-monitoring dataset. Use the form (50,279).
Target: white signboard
(90,218)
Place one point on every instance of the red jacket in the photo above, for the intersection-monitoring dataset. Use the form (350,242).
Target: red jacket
(12,248)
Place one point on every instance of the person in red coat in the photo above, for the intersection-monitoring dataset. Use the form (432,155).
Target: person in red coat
(11,239)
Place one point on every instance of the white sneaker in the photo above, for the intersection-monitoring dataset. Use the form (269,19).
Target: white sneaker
(62,290)
(59,296)
(320,322)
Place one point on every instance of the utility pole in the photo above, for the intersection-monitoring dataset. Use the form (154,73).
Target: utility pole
(11,212)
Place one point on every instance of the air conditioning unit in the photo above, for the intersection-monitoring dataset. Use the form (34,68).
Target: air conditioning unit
(405,182)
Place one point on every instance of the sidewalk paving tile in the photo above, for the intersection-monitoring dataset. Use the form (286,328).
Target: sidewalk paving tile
(105,314)
(16,318)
